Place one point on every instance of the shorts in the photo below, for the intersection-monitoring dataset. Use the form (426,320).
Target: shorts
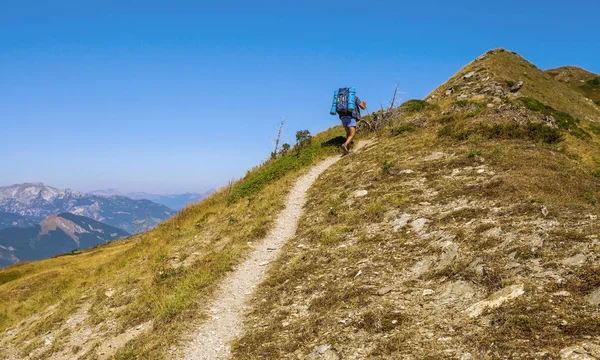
(348,121)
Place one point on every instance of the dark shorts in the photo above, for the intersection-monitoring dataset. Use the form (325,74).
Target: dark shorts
(348,121)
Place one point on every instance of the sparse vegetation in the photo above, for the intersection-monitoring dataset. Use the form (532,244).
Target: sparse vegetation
(533,131)
(473,153)
(563,120)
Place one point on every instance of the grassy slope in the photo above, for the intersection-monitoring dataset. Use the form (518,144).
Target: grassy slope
(162,276)
(356,279)
(580,80)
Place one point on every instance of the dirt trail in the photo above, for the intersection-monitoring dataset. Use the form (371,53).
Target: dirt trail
(213,338)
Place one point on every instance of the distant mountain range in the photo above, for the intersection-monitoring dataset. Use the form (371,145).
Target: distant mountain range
(22,205)
(173,201)
(56,234)
(14,220)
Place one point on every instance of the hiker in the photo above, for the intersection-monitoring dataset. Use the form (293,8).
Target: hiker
(349,122)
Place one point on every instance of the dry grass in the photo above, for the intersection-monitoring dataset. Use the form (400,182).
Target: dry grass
(164,275)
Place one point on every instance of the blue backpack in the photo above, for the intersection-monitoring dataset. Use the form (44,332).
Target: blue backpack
(344,101)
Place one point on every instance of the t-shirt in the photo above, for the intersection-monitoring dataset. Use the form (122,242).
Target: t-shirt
(356,112)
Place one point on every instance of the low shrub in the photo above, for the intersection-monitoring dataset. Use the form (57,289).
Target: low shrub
(594,82)
(563,120)
(414,105)
(402,128)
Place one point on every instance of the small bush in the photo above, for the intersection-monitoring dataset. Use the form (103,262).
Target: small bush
(447,119)
(510,83)
(598,102)
(591,197)
(594,82)
(386,166)
(473,153)
(415,105)
(402,128)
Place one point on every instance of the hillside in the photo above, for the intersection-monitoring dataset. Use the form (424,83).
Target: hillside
(467,229)
(580,80)
(55,235)
(470,231)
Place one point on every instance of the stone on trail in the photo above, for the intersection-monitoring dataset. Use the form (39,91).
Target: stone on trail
(360,193)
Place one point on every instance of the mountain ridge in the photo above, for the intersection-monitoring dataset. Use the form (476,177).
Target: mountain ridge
(37,201)
(55,235)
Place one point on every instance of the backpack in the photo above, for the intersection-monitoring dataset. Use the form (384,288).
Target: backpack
(344,101)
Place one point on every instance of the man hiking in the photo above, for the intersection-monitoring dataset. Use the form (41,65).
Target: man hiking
(349,122)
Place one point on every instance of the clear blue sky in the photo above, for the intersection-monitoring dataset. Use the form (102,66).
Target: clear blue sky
(176,96)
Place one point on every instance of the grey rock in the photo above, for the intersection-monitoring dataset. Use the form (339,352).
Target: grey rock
(384,290)
(594,297)
(517,86)
(400,222)
(360,193)
(449,254)
(495,300)
(417,225)
(576,260)
(323,348)
(469,75)
(462,97)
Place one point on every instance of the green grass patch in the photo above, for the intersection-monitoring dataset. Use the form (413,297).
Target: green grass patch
(581,134)
(591,197)
(415,105)
(473,153)
(9,276)
(402,128)
(277,168)
(563,120)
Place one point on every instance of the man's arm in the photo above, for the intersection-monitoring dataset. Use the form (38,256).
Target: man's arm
(363,105)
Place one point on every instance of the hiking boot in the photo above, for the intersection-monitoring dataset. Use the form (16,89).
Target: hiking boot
(345,148)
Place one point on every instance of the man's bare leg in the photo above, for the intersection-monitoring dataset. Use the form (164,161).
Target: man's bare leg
(350,132)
